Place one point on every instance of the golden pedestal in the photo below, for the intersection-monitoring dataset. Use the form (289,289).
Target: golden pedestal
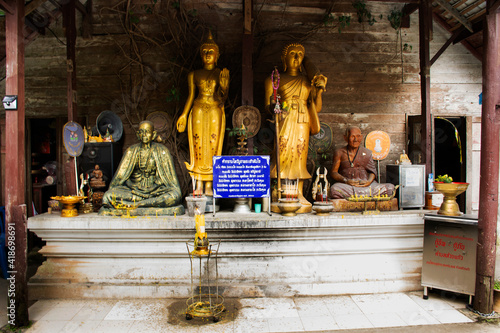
(450,191)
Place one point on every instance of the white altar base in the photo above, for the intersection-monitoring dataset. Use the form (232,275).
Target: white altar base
(91,256)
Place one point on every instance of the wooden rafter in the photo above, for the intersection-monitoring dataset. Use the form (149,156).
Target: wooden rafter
(33,5)
(6,7)
(471,7)
(495,6)
(445,46)
(467,45)
(455,13)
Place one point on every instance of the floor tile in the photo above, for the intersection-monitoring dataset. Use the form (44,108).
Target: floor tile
(385,303)
(285,325)
(77,326)
(44,326)
(247,325)
(95,311)
(342,305)
(450,316)
(386,320)
(222,326)
(418,318)
(40,309)
(311,307)
(138,310)
(114,326)
(323,323)
(147,326)
(352,321)
(62,313)
(268,308)
(433,303)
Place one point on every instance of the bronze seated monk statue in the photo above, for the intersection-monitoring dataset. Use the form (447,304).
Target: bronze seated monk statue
(145,179)
(354,170)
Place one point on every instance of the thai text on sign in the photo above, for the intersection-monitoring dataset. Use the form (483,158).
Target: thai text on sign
(241,176)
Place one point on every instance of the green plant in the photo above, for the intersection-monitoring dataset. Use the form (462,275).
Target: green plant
(496,286)
(395,19)
(173,95)
(364,15)
(343,21)
(239,131)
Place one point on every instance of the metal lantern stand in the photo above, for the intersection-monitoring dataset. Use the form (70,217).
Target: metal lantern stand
(206,304)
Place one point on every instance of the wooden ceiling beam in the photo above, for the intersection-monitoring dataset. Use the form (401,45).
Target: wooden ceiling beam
(465,43)
(445,46)
(471,7)
(455,13)
(495,6)
(6,7)
(476,26)
(32,6)
(81,8)
(459,3)
(407,10)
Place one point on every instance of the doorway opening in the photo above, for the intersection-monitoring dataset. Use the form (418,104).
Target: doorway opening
(450,150)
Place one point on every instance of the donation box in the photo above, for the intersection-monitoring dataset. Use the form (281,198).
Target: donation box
(411,181)
(449,258)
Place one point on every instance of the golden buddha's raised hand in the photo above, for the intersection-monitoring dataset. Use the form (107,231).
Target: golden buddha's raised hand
(319,81)
(224,79)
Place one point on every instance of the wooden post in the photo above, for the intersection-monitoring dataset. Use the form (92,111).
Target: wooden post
(69,23)
(15,167)
(246,62)
(488,186)
(70,29)
(425,28)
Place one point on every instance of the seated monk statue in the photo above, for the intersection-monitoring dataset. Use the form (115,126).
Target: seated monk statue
(354,170)
(145,179)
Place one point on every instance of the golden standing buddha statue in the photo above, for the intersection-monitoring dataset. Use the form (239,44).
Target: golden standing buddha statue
(302,101)
(206,123)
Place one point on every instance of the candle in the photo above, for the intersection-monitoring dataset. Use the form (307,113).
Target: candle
(200,223)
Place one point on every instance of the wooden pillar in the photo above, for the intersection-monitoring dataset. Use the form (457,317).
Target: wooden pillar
(425,30)
(70,29)
(15,167)
(69,24)
(246,62)
(488,186)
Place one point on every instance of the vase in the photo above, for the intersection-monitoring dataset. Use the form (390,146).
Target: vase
(450,191)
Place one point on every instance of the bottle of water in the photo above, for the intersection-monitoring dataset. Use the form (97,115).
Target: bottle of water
(430,182)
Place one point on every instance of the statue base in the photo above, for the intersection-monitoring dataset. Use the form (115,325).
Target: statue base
(149,211)
(343,205)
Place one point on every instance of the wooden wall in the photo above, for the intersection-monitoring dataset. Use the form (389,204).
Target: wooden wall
(371,83)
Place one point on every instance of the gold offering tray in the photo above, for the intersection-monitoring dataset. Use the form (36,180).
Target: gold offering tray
(69,203)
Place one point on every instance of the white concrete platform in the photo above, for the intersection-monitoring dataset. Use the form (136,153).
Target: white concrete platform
(91,256)
(297,314)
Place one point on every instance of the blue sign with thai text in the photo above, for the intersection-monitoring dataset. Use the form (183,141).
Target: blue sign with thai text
(241,176)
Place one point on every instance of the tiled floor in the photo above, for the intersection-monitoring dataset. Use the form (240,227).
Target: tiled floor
(250,314)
